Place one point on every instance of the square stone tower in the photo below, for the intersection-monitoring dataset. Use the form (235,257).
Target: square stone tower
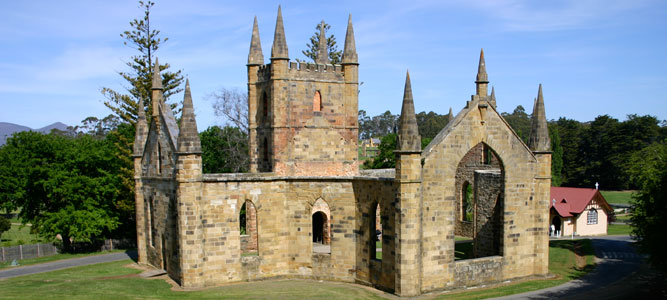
(302,116)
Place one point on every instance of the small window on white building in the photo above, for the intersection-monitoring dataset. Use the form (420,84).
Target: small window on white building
(592,216)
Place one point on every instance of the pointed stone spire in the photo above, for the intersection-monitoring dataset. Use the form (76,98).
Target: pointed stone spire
(322,53)
(141,130)
(350,51)
(482,78)
(408,133)
(255,57)
(539,133)
(492,99)
(450,117)
(279,49)
(157,79)
(156,89)
(188,136)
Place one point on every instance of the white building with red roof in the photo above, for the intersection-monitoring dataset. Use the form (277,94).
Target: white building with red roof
(578,211)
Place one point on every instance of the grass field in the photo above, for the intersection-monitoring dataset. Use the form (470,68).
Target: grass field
(19,235)
(618,229)
(117,280)
(617,197)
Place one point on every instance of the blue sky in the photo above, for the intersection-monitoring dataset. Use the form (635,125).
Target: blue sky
(592,57)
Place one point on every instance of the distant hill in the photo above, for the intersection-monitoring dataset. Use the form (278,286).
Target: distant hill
(7,129)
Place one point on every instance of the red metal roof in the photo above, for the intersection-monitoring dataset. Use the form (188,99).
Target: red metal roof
(568,201)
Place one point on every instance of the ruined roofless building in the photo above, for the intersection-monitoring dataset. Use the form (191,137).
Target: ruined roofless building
(306,211)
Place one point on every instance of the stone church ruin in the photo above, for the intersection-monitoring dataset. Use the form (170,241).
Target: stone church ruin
(306,210)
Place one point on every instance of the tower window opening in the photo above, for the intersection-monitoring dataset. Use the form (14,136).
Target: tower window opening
(265,150)
(265,106)
(317,101)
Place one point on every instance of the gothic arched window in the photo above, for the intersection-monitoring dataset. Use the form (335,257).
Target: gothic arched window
(317,101)
(592,216)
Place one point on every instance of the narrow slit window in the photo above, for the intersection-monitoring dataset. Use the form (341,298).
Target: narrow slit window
(159,159)
(317,101)
(248,228)
(265,107)
(376,245)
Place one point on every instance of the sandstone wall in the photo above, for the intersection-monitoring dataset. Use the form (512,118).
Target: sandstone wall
(474,125)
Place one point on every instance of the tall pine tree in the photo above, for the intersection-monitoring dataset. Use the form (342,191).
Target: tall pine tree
(335,55)
(144,39)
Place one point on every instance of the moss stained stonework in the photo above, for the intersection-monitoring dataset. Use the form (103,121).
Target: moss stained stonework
(303,160)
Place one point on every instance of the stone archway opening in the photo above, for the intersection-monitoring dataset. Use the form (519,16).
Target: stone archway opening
(248,228)
(321,227)
(480,206)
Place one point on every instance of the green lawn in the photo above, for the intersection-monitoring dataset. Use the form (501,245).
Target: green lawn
(617,197)
(116,280)
(625,217)
(618,229)
(19,235)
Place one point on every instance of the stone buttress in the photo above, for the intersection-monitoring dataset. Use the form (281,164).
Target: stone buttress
(408,199)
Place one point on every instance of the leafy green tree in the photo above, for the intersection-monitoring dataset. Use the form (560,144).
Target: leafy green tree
(431,123)
(4,225)
(64,185)
(519,120)
(556,155)
(386,157)
(600,151)
(98,128)
(364,125)
(224,150)
(648,171)
(335,55)
(570,133)
(144,39)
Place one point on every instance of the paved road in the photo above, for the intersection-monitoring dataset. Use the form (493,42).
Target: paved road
(617,275)
(66,263)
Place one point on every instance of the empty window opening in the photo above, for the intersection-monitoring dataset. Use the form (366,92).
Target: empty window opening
(376,234)
(317,101)
(265,107)
(321,227)
(467,206)
(319,219)
(265,149)
(486,155)
(592,216)
(159,158)
(151,222)
(248,229)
